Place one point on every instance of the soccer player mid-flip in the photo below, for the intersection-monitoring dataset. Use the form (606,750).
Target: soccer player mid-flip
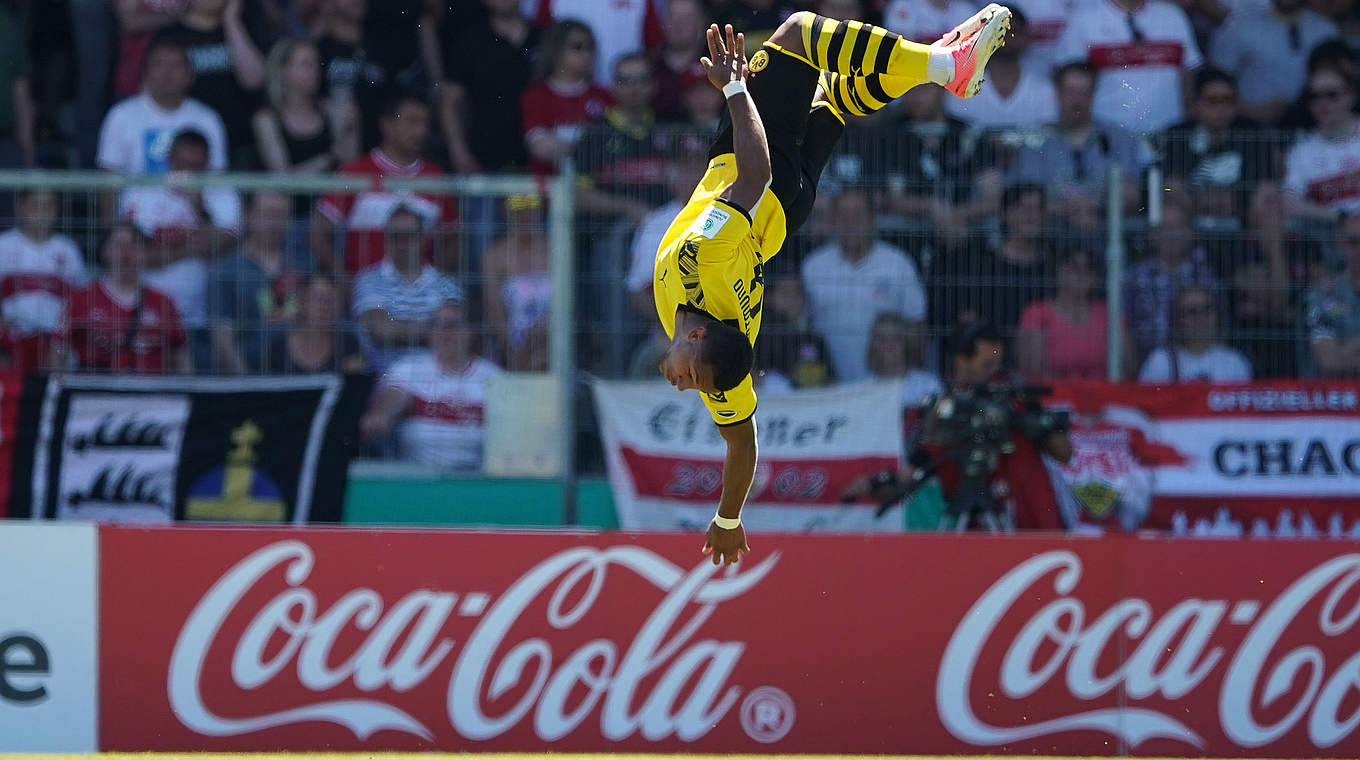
(783,120)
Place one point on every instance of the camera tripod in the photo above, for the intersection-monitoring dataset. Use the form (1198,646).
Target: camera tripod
(991,517)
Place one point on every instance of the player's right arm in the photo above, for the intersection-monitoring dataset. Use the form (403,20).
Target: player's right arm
(726,65)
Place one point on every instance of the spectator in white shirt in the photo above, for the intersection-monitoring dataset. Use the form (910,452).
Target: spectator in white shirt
(854,278)
(395,299)
(1047,20)
(1015,94)
(925,21)
(1195,355)
(189,230)
(1267,49)
(438,396)
(38,271)
(1322,169)
(1139,50)
(137,132)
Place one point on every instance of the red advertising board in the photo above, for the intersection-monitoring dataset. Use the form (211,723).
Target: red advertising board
(11,393)
(405,640)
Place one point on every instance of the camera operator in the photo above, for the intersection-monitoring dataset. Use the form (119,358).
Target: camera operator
(983,440)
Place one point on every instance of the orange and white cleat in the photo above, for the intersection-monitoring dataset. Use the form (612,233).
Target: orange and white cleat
(971,55)
(968,28)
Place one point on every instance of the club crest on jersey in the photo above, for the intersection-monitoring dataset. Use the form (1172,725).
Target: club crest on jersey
(759,61)
(718,398)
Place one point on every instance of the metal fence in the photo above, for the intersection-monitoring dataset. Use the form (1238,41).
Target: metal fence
(1090,257)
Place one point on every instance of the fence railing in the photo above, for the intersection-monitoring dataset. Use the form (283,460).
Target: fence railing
(1079,251)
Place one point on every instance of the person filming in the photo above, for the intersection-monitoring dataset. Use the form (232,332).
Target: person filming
(983,439)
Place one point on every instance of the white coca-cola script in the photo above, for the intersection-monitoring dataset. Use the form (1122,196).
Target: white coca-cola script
(690,697)
(1186,630)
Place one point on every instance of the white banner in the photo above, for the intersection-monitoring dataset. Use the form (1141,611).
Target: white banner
(48,674)
(1214,460)
(665,456)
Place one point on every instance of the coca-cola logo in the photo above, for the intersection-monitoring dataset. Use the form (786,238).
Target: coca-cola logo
(1168,657)
(405,642)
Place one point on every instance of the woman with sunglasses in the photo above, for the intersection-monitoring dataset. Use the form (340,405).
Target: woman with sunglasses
(563,96)
(1322,170)
(1195,353)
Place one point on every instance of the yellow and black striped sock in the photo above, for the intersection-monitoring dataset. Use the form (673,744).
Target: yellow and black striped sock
(853,48)
(862,96)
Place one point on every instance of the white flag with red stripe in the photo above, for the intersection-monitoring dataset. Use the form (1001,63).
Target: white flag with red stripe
(665,456)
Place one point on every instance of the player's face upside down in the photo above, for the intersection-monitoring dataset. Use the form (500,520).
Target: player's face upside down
(682,366)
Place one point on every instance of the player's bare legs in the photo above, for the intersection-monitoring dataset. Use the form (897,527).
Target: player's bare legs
(868,66)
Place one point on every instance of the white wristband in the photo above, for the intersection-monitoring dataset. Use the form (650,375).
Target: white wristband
(733,88)
(727,523)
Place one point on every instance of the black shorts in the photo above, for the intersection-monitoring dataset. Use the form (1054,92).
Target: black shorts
(781,86)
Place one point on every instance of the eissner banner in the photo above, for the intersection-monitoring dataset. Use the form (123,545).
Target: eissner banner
(47,638)
(157,449)
(1260,459)
(665,456)
(279,640)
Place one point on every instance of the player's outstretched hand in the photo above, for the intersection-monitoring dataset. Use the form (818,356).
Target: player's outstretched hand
(726,60)
(726,546)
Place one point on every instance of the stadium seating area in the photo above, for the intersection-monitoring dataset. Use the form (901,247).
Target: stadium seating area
(1231,125)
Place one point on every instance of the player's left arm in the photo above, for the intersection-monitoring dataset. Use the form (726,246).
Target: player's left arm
(739,468)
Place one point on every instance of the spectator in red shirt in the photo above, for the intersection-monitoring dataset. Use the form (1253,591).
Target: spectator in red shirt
(1064,337)
(679,56)
(619,27)
(405,127)
(118,323)
(38,270)
(563,97)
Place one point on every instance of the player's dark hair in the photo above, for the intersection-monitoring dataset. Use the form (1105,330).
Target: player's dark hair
(1208,75)
(190,137)
(729,353)
(966,337)
(1075,67)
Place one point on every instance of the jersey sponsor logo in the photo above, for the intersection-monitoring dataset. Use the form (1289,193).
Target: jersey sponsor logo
(714,222)
(759,61)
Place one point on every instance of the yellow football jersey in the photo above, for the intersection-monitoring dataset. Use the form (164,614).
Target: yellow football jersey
(711,260)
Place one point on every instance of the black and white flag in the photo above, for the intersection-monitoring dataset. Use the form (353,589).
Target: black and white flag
(157,449)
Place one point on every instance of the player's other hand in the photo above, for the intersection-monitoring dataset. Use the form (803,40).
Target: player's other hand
(726,546)
(726,59)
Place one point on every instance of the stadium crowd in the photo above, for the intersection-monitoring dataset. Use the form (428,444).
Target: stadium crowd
(1233,124)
